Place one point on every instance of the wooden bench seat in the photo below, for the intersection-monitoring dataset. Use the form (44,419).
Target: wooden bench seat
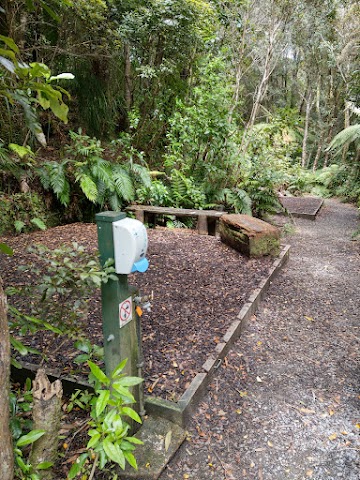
(206,219)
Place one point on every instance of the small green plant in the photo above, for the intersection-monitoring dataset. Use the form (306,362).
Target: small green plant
(23,469)
(23,212)
(23,435)
(80,399)
(90,351)
(63,282)
(109,431)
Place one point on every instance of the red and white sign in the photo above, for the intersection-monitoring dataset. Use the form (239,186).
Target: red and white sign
(125,312)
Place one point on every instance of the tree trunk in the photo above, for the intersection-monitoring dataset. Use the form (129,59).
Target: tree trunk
(269,66)
(6,449)
(46,416)
(318,152)
(306,130)
(127,76)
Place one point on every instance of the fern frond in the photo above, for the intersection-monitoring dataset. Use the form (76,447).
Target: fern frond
(348,135)
(141,174)
(53,175)
(88,186)
(241,201)
(123,184)
(101,169)
(115,202)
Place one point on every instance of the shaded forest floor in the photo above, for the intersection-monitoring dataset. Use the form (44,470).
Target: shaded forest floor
(285,403)
(198,286)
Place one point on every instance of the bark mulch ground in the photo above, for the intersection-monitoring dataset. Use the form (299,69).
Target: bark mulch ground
(198,285)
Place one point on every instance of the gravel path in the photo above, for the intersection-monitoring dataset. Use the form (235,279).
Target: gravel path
(285,403)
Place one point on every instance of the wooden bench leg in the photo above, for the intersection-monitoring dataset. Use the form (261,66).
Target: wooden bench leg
(139,215)
(150,219)
(202,225)
(212,226)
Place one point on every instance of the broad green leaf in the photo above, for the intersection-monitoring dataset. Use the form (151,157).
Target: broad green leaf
(102,401)
(38,69)
(131,459)
(50,327)
(98,374)
(43,101)
(82,358)
(10,43)
(59,109)
(44,465)
(121,365)
(21,463)
(114,452)
(20,347)
(109,418)
(126,446)
(74,470)
(29,438)
(130,381)
(8,53)
(124,392)
(134,440)
(94,440)
(131,413)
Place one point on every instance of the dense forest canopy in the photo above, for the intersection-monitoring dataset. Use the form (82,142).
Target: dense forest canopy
(187,103)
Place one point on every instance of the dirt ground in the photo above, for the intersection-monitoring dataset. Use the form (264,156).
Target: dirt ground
(285,405)
(198,285)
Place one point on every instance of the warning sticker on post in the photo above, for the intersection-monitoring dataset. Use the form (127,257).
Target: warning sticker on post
(125,312)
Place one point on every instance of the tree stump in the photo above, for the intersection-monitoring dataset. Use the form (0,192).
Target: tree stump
(6,449)
(46,416)
(249,235)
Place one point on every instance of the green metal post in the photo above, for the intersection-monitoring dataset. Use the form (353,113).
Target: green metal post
(119,343)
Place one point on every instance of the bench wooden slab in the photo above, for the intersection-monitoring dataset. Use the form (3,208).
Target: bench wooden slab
(206,219)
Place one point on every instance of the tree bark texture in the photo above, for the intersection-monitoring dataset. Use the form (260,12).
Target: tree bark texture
(6,449)
(46,416)
(306,130)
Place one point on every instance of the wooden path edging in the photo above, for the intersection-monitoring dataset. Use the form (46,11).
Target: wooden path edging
(180,412)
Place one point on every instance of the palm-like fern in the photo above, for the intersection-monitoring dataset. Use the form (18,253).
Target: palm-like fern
(348,135)
(53,175)
(236,199)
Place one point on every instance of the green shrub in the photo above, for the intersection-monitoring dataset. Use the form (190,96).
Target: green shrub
(24,212)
